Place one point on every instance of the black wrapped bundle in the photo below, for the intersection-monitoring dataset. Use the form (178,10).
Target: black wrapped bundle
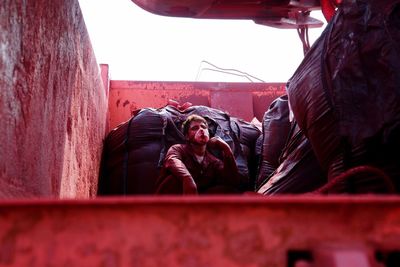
(345,95)
(276,127)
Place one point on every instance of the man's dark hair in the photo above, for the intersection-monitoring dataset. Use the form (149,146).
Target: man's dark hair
(188,121)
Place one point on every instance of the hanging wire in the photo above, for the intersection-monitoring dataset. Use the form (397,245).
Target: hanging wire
(226,71)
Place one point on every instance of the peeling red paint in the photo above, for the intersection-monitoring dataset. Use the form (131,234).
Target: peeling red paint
(156,94)
(126,102)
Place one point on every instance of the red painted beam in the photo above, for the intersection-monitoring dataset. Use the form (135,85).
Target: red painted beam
(192,231)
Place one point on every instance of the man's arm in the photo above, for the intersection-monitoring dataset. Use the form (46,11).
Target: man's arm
(229,172)
(173,162)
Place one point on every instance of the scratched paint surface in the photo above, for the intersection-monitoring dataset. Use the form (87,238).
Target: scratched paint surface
(127,96)
(202,231)
(52,101)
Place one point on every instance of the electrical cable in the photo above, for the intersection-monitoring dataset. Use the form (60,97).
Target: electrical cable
(227,71)
(241,75)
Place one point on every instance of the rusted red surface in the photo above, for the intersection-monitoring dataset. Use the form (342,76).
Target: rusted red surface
(52,101)
(243,100)
(193,231)
(238,104)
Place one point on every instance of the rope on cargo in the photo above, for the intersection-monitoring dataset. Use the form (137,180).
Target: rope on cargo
(348,175)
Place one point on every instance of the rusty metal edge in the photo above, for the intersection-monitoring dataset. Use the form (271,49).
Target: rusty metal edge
(268,201)
(125,84)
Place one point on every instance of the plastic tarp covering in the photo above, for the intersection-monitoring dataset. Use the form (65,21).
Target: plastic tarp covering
(276,127)
(298,170)
(345,95)
(131,155)
(134,151)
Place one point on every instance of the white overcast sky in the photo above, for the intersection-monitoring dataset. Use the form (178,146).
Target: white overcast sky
(138,45)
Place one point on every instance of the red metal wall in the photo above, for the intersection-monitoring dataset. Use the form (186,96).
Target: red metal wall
(243,100)
(52,101)
(210,231)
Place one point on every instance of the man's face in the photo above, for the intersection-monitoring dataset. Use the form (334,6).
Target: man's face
(198,133)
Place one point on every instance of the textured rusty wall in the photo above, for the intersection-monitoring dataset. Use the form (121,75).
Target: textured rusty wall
(52,101)
(193,231)
(243,100)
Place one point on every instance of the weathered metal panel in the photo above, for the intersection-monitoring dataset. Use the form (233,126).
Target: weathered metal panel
(237,104)
(192,231)
(52,101)
(127,96)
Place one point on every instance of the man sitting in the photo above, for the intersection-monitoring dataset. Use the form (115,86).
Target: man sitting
(191,169)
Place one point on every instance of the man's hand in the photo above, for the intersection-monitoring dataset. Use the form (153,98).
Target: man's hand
(228,172)
(218,144)
(189,186)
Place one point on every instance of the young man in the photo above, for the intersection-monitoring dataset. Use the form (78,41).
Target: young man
(190,169)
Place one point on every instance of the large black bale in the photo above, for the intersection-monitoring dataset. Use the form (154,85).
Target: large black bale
(275,129)
(288,165)
(345,95)
(298,170)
